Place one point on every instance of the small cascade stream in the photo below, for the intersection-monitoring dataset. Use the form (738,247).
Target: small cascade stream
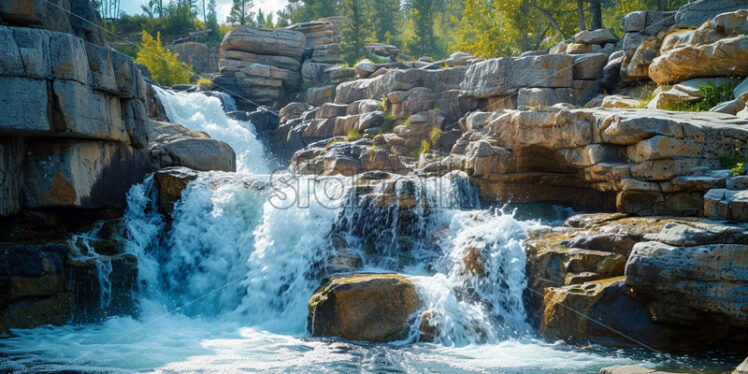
(223,286)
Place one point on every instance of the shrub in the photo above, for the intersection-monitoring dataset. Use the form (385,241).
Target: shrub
(434,135)
(739,169)
(712,95)
(425,147)
(352,135)
(164,66)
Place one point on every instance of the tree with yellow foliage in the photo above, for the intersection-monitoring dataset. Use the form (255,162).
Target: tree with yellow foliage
(164,66)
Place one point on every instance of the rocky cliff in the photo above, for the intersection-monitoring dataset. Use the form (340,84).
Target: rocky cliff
(75,134)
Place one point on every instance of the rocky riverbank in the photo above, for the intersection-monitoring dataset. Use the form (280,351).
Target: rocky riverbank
(590,123)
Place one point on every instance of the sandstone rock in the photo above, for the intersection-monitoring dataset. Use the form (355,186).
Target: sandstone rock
(697,12)
(399,80)
(364,68)
(504,76)
(12,151)
(235,60)
(589,66)
(460,59)
(571,310)
(599,36)
(544,97)
(314,74)
(82,174)
(742,368)
(265,41)
(34,285)
(200,57)
(672,99)
(175,145)
(347,159)
(717,48)
(320,95)
(680,283)
(370,307)
(384,50)
(170,183)
(726,204)
(618,101)
(578,48)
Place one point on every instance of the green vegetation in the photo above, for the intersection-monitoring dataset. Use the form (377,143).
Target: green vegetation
(425,147)
(734,162)
(162,63)
(352,135)
(436,28)
(712,95)
(434,135)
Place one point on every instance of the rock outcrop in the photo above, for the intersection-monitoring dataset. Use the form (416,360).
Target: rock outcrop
(200,57)
(636,161)
(718,48)
(370,307)
(683,288)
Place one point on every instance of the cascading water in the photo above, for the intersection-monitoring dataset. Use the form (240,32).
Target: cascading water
(223,285)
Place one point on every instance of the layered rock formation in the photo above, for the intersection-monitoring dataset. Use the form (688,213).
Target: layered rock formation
(272,67)
(636,161)
(75,134)
(200,57)
(683,287)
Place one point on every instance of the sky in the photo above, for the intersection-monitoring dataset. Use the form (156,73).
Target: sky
(222,6)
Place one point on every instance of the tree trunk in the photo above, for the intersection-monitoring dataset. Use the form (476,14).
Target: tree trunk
(160,8)
(597,14)
(661,5)
(205,16)
(580,15)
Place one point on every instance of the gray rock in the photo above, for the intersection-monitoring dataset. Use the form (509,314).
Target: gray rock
(85,174)
(589,66)
(599,36)
(265,41)
(697,12)
(544,97)
(504,76)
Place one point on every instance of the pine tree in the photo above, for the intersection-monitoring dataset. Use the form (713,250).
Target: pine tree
(355,30)
(386,17)
(241,13)
(260,18)
(423,22)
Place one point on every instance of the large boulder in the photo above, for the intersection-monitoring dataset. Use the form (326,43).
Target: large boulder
(683,282)
(697,12)
(264,41)
(505,76)
(370,307)
(175,145)
(86,174)
(718,48)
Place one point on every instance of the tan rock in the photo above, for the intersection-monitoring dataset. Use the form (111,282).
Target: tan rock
(371,307)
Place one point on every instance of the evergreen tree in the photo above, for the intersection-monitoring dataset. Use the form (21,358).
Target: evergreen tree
(423,22)
(355,30)
(241,13)
(260,18)
(386,16)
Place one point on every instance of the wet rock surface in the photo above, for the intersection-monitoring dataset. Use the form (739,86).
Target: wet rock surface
(682,288)
(370,307)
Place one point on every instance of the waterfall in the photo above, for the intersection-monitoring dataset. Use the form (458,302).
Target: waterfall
(201,112)
(224,282)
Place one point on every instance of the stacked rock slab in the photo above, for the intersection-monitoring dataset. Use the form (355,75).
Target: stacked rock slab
(636,161)
(682,289)
(200,57)
(322,54)
(259,66)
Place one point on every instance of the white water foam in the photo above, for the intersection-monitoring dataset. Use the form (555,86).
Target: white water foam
(200,112)
(224,287)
